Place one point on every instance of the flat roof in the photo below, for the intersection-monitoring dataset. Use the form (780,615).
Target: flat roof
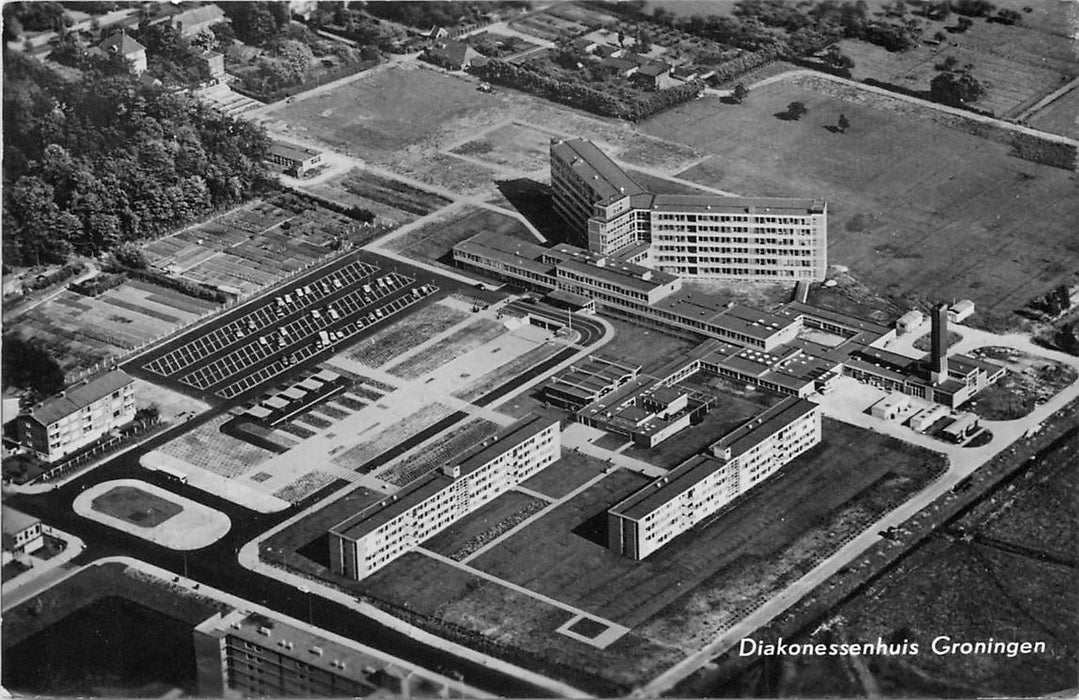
(668,487)
(763,426)
(375,516)
(517,433)
(247,626)
(854,323)
(77,397)
(594,166)
(292,151)
(624,275)
(744,320)
(723,204)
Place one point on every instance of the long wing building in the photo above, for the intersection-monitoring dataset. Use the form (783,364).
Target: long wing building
(705,236)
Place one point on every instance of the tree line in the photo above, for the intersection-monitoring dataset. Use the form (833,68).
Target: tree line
(91,164)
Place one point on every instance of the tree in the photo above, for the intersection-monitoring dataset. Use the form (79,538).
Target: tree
(843,124)
(130,255)
(956,87)
(740,92)
(28,364)
(795,111)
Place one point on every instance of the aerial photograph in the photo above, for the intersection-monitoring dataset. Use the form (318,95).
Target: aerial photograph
(540,349)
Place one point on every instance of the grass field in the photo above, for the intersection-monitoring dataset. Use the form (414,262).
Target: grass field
(457,344)
(780,528)
(511,145)
(951,216)
(434,240)
(633,344)
(1058,117)
(135,506)
(484,524)
(968,590)
(570,472)
(1020,63)
(406,334)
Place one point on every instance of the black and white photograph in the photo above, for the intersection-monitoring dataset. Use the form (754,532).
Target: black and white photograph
(540,349)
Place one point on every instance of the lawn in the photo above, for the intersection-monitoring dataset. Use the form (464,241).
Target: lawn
(634,345)
(135,506)
(484,524)
(406,334)
(1058,117)
(458,344)
(949,216)
(434,240)
(746,553)
(570,472)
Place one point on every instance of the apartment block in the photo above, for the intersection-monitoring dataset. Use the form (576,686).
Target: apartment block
(78,416)
(650,518)
(374,537)
(242,654)
(704,236)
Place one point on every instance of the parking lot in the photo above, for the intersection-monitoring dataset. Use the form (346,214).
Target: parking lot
(276,333)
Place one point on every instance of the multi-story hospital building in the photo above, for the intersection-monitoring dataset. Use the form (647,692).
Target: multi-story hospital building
(705,236)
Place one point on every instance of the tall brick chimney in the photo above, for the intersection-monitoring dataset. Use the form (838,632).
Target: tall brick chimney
(938,342)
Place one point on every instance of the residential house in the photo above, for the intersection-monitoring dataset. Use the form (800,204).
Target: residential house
(22,534)
(119,42)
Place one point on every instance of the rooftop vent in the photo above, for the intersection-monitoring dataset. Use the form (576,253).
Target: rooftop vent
(317,651)
(264,631)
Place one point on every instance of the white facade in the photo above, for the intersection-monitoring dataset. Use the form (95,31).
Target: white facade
(373,538)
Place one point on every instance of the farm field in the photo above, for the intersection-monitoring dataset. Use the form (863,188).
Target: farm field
(434,240)
(951,216)
(1020,63)
(387,344)
(394,203)
(996,584)
(1059,117)
(251,247)
(729,563)
(82,331)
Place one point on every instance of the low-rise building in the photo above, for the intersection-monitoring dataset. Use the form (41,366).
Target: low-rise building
(891,407)
(22,534)
(192,21)
(650,518)
(384,531)
(118,42)
(909,321)
(924,419)
(964,425)
(78,416)
(961,310)
(296,160)
(450,53)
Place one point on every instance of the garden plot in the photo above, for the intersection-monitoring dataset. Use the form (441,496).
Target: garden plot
(425,458)
(387,344)
(458,344)
(378,441)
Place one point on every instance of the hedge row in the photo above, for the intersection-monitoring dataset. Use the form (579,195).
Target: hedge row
(191,289)
(581,96)
(97,285)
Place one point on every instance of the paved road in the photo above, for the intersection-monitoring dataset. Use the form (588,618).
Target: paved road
(217,565)
(963,463)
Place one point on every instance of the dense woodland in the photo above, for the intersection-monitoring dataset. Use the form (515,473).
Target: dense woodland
(107,159)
